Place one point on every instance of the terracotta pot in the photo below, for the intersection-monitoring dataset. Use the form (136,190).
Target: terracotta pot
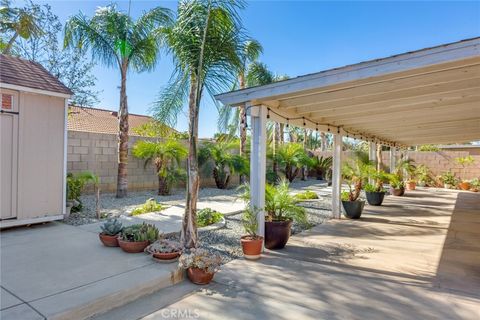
(464,185)
(277,234)
(108,241)
(397,192)
(411,185)
(353,209)
(133,246)
(252,248)
(447,186)
(199,276)
(166,255)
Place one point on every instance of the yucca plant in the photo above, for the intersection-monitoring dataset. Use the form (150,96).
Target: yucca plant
(167,157)
(292,157)
(225,164)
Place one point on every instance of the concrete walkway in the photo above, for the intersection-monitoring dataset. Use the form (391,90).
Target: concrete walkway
(416,257)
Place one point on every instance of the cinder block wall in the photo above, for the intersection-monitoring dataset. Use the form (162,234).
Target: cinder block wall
(97,152)
(437,161)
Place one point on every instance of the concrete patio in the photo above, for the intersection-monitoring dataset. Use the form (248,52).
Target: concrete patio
(416,257)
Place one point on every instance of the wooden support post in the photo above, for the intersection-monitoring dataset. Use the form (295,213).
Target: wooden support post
(337,176)
(258,158)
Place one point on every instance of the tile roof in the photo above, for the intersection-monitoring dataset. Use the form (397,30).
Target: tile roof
(100,120)
(21,72)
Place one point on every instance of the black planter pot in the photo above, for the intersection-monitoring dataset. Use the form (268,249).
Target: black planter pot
(375,198)
(397,192)
(353,209)
(277,234)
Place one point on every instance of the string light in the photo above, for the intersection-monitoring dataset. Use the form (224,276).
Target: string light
(304,124)
(287,123)
(268,113)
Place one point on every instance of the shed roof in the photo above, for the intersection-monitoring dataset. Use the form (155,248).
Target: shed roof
(24,73)
(101,120)
(420,97)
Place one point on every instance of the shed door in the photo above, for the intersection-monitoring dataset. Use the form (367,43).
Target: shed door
(8,153)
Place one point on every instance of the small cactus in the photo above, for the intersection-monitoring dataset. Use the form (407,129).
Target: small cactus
(140,232)
(112,227)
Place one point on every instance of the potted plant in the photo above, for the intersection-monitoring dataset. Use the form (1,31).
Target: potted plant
(375,192)
(449,180)
(423,175)
(475,185)
(406,166)
(252,243)
(281,210)
(464,162)
(165,250)
(397,185)
(354,174)
(110,231)
(137,237)
(201,265)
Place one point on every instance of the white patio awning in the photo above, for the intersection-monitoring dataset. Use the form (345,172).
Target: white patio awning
(426,96)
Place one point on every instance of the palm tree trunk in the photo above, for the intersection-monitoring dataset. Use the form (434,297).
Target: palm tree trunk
(379,157)
(122,181)
(10,43)
(323,138)
(243,128)
(189,235)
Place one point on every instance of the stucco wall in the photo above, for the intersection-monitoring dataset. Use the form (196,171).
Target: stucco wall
(97,152)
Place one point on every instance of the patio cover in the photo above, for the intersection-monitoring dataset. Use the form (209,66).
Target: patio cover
(426,96)
(429,96)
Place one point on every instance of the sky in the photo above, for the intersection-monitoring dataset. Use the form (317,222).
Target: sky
(298,37)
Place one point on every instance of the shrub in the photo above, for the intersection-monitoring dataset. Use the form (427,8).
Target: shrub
(307,195)
(207,216)
(151,205)
(75,185)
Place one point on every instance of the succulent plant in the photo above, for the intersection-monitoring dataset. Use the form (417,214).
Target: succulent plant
(140,232)
(112,227)
(202,259)
(164,246)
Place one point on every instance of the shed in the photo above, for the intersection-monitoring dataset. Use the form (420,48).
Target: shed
(33,134)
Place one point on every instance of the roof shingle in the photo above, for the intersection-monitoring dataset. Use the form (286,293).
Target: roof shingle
(101,120)
(21,72)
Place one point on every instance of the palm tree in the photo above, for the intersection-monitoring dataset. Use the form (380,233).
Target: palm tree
(116,40)
(19,22)
(167,157)
(225,164)
(250,52)
(292,156)
(204,42)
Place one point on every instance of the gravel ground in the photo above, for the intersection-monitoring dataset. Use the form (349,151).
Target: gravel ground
(226,241)
(111,206)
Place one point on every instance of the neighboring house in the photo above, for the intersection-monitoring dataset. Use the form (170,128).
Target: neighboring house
(33,113)
(95,120)
(472,149)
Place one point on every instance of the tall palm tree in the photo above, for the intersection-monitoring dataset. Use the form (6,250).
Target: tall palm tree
(166,157)
(116,40)
(18,22)
(250,52)
(204,42)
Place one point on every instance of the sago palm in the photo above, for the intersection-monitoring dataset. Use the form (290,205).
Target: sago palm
(204,42)
(225,163)
(116,40)
(167,158)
